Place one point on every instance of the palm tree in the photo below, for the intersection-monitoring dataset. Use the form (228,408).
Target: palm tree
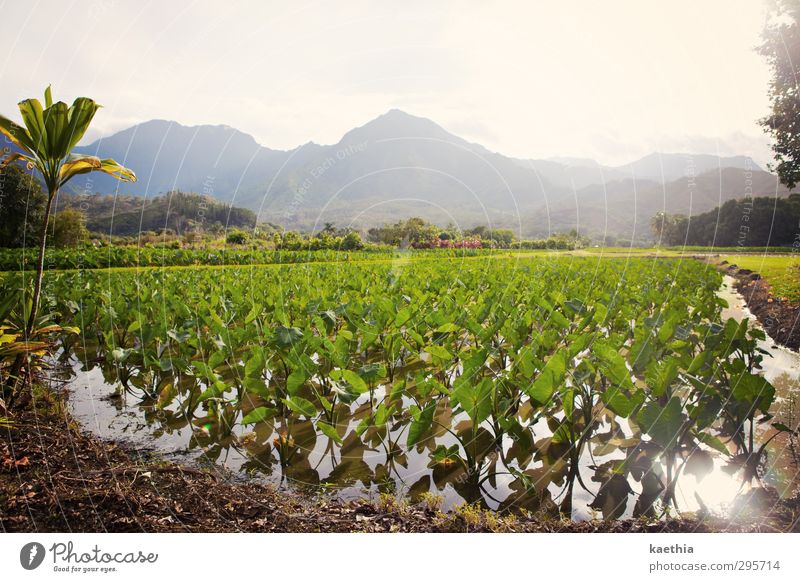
(45,143)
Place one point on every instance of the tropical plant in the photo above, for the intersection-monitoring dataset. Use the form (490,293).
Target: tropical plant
(45,144)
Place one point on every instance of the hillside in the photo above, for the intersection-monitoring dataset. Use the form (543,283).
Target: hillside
(624,208)
(760,222)
(178,211)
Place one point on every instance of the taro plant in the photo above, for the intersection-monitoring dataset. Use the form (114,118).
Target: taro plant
(14,342)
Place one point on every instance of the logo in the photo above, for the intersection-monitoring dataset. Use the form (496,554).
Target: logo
(31,555)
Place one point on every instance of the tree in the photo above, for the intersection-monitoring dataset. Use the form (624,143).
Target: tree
(69,228)
(760,221)
(45,144)
(781,48)
(22,203)
(669,229)
(404,232)
(352,241)
(237,237)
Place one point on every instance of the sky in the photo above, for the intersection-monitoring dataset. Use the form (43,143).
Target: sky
(612,80)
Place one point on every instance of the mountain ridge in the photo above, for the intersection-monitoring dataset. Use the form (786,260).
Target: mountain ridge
(394,166)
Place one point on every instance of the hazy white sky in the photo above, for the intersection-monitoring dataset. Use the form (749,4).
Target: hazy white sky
(610,80)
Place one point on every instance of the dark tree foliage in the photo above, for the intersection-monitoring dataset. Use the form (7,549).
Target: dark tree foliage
(180,212)
(758,222)
(67,229)
(781,48)
(668,229)
(404,232)
(502,236)
(22,204)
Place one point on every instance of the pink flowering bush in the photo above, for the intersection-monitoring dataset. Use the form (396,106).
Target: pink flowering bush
(437,243)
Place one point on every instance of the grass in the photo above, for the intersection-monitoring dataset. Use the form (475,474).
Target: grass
(782,273)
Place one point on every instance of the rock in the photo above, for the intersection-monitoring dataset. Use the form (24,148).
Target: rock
(744,271)
(755,276)
(723,262)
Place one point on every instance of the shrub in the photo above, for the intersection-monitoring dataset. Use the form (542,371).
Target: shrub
(237,237)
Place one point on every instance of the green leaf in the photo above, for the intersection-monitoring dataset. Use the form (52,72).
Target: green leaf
(439,352)
(444,455)
(255,364)
(255,311)
(295,381)
(81,114)
(179,336)
(259,414)
(559,320)
(753,390)
(662,423)
(287,337)
(712,441)
(549,378)
(372,372)
(447,328)
(697,362)
(660,375)
(474,399)
(613,365)
(257,386)
(300,406)
(56,118)
(330,432)
(423,420)
(33,117)
(216,390)
(619,403)
(17,135)
(362,427)
(355,382)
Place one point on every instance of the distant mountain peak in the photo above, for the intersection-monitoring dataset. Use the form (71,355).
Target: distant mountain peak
(397,123)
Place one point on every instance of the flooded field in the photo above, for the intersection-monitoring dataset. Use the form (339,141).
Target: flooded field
(564,424)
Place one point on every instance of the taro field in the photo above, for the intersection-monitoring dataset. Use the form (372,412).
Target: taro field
(547,384)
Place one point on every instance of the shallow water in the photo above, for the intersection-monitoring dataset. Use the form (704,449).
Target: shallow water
(782,368)
(363,468)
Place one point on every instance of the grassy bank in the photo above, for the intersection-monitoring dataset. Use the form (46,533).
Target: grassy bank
(781,273)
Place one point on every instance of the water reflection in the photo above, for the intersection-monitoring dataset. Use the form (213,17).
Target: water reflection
(782,369)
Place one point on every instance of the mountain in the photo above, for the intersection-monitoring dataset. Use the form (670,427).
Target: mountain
(623,209)
(661,167)
(399,165)
(572,173)
(167,156)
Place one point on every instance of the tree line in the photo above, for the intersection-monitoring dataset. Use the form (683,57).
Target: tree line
(747,222)
(76,217)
